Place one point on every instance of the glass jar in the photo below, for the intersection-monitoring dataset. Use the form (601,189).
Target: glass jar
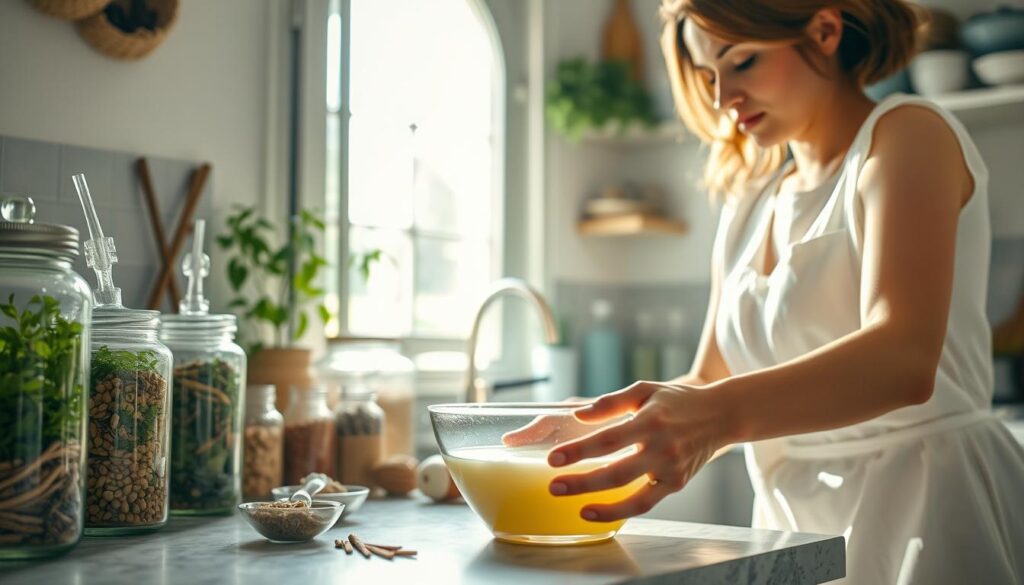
(263,462)
(308,435)
(377,364)
(207,409)
(45,314)
(129,409)
(360,424)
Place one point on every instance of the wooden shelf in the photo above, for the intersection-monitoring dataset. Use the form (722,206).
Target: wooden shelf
(630,224)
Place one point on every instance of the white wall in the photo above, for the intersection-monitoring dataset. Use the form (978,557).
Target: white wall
(200,96)
(575,172)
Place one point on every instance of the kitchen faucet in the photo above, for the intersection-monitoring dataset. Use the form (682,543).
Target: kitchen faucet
(476,388)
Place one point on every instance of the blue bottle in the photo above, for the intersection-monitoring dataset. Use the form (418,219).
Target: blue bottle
(602,353)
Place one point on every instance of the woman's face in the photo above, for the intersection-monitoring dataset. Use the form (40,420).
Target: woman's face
(769,91)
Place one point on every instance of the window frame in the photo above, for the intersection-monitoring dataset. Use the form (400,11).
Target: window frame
(512,352)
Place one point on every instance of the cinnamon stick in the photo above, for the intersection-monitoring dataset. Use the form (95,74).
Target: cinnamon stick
(363,550)
(382,553)
(385,546)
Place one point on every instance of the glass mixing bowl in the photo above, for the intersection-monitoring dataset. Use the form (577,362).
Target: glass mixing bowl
(497,455)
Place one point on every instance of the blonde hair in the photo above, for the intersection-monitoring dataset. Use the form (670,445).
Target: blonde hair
(879,38)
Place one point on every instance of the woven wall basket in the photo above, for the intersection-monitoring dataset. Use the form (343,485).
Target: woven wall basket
(113,42)
(70,9)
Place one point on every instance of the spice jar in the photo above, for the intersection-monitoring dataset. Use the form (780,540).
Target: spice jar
(263,463)
(129,406)
(45,314)
(359,422)
(379,366)
(308,435)
(207,409)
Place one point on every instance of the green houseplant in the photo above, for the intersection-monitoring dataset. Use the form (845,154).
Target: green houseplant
(585,96)
(273,280)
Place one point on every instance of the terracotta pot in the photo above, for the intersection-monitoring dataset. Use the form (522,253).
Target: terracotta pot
(283,367)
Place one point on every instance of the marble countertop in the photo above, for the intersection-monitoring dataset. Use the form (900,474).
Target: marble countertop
(454,548)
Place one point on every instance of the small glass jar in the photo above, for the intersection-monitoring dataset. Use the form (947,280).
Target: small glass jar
(263,462)
(379,366)
(129,410)
(207,409)
(45,317)
(360,424)
(308,435)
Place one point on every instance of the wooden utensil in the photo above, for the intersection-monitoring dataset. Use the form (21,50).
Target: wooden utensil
(184,226)
(142,167)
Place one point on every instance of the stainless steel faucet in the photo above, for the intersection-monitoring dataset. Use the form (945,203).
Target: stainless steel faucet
(476,388)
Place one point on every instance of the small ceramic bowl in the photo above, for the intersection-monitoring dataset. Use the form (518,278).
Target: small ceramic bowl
(289,525)
(1003,68)
(352,499)
(938,72)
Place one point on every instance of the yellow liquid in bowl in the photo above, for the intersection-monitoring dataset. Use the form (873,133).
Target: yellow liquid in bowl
(508,489)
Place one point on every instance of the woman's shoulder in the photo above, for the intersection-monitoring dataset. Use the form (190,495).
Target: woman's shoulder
(912,138)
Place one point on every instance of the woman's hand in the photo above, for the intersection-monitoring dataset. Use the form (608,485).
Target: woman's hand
(676,429)
(548,429)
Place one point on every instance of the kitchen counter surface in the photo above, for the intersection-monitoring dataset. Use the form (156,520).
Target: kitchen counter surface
(454,548)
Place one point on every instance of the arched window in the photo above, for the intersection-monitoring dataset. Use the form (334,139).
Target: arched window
(415,134)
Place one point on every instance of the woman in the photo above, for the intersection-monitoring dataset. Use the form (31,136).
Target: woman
(846,340)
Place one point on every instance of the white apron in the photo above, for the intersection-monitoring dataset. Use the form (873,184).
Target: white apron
(927,494)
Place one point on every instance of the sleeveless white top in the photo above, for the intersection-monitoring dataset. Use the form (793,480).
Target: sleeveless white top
(813,297)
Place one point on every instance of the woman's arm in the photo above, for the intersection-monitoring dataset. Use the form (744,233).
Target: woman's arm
(912,188)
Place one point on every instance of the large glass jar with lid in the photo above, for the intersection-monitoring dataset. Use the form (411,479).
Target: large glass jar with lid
(263,462)
(129,411)
(207,402)
(45,314)
(376,366)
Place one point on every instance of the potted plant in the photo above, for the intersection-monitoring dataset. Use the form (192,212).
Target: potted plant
(587,96)
(274,293)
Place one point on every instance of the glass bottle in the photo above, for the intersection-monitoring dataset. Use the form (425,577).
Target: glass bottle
(129,411)
(45,317)
(360,424)
(308,435)
(602,353)
(378,366)
(263,462)
(207,403)
(644,353)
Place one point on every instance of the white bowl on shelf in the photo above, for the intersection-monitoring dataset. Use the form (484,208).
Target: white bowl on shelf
(1003,68)
(939,72)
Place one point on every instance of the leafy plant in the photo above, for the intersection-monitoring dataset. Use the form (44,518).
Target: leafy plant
(106,361)
(585,96)
(273,285)
(41,386)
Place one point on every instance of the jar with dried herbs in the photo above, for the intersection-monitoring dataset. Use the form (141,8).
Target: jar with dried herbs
(206,415)
(359,422)
(45,314)
(263,463)
(308,435)
(129,435)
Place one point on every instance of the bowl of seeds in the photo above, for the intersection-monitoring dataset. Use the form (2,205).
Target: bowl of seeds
(287,522)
